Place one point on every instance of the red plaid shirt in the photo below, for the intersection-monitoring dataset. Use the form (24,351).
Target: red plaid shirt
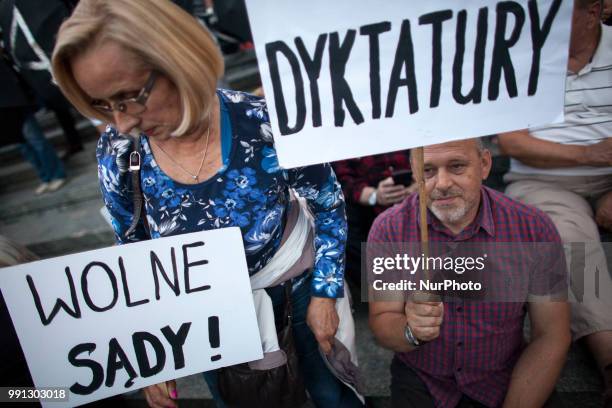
(355,174)
(479,342)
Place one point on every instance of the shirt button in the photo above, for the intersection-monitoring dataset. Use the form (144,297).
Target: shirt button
(460,308)
(459,343)
(459,369)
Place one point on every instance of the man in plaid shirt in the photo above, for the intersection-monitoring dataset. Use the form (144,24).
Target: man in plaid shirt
(466,353)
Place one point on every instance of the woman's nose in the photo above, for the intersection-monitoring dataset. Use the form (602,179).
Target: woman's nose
(124,122)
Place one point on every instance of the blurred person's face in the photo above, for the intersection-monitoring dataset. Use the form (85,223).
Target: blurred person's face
(454,172)
(607,10)
(584,21)
(109,73)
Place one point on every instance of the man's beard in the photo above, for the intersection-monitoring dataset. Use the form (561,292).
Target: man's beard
(452,213)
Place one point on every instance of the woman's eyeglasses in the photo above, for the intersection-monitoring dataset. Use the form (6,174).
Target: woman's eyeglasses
(129,106)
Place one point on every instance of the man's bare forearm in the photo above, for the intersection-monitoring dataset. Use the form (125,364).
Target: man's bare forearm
(539,153)
(388,328)
(537,371)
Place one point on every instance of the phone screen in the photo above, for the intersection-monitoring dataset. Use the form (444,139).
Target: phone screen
(403,177)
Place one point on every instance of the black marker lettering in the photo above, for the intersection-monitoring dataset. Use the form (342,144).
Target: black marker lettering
(313,69)
(501,46)
(157,265)
(97,372)
(188,265)
(341,91)
(475,94)
(85,288)
(538,38)
(373,31)
(126,288)
(59,303)
(117,359)
(272,50)
(144,364)
(436,19)
(177,340)
(404,59)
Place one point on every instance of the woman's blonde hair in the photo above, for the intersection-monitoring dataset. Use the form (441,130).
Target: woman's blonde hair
(159,33)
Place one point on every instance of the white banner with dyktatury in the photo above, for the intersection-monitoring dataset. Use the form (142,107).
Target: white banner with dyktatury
(350,78)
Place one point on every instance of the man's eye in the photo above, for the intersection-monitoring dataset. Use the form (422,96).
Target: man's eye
(429,172)
(458,167)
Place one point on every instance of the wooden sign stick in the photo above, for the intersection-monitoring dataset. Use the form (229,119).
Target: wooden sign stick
(419,172)
(420,179)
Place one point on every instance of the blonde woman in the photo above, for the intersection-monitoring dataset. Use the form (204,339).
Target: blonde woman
(208,161)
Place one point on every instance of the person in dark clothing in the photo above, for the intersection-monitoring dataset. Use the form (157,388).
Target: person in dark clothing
(20,126)
(13,105)
(30,46)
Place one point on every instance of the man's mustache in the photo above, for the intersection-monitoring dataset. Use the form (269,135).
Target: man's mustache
(450,193)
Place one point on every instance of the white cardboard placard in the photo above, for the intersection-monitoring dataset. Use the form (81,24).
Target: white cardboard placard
(185,297)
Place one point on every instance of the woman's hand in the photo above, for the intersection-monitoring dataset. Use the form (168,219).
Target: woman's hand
(323,320)
(162,395)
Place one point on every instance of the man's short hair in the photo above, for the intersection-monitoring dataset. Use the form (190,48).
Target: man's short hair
(586,3)
(479,145)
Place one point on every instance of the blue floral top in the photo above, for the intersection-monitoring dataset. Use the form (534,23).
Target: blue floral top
(250,191)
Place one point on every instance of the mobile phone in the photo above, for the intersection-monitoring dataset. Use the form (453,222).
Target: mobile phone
(403,177)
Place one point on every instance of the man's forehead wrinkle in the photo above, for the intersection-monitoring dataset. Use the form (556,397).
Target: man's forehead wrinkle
(464,145)
(447,155)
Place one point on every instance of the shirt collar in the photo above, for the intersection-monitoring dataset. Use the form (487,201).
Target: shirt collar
(483,220)
(600,56)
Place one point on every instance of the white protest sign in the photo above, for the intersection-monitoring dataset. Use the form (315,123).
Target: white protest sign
(117,319)
(349,78)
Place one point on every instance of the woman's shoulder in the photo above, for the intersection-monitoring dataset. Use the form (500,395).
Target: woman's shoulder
(251,129)
(240,97)
(247,106)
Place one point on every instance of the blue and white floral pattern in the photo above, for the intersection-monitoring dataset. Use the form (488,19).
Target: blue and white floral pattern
(250,191)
